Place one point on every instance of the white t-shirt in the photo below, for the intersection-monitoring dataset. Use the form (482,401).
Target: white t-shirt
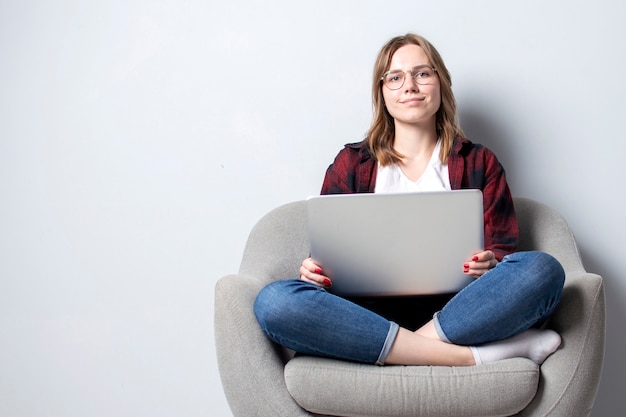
(391,179)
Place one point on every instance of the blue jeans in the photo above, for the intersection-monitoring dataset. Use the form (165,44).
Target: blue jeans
(520,292)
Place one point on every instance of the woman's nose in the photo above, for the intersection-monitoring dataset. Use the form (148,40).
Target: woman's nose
(409,82)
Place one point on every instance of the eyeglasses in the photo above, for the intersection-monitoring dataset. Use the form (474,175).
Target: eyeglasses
(422,74)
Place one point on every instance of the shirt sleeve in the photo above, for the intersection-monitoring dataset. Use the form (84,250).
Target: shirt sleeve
(500,221)
(340,176)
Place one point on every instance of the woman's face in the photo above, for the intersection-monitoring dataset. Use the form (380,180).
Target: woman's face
(412,103)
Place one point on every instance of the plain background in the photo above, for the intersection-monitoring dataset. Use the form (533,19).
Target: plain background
(141,140)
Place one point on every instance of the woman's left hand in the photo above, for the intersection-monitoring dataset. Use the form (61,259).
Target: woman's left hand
(480,263)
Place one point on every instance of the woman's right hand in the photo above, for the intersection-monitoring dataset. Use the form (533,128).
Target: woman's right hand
(311,272)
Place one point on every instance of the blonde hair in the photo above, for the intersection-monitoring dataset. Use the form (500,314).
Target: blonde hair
(381,134)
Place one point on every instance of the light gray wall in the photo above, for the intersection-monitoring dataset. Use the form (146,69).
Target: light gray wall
(140,141)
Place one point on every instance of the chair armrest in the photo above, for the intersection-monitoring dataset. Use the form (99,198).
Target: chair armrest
(570,377)
(250,365)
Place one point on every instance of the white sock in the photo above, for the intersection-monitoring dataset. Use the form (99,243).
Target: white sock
(533,344)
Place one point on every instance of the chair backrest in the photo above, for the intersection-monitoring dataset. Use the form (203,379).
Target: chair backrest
(543,228)
(279,241)
(277,244)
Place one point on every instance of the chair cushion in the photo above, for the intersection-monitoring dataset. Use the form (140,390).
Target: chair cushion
(337,388)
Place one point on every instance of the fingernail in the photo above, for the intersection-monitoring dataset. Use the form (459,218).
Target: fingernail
(465,266)
(475,258)
(327,282)
(318,270)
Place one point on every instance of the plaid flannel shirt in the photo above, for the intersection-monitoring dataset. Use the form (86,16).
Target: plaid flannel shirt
(470,165)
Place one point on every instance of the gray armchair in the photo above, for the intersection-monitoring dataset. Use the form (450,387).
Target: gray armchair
(262,379)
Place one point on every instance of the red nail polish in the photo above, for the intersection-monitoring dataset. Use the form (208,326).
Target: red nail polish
(318,270)
(466,266)
(327,282)
(475,258)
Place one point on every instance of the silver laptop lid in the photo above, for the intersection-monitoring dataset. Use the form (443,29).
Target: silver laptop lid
(396,244)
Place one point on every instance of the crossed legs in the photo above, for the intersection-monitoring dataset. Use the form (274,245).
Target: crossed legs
(492,315)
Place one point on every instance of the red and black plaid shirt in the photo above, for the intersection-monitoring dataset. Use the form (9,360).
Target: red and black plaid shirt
(470,165)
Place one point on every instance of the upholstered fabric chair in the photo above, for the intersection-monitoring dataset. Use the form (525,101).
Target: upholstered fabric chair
(262,379)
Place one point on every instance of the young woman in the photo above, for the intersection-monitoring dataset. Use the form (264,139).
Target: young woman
(415,143)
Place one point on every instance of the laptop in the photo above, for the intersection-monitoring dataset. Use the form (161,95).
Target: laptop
(396,244)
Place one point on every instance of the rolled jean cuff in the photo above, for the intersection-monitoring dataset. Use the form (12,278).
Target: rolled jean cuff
(391,337)
(439,330)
